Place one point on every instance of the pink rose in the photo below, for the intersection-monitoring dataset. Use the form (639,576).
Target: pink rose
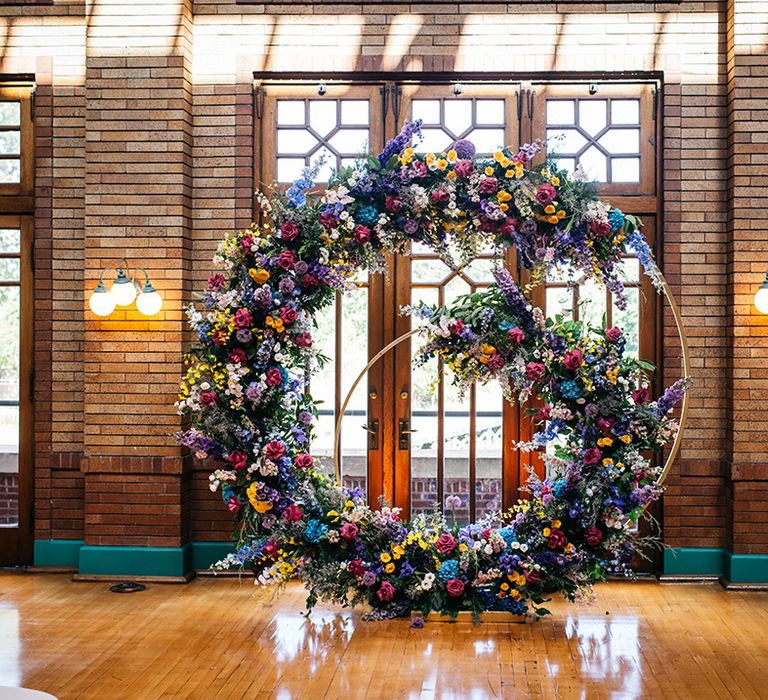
(304,340)
(386,591)
(545,194)
(457,327)
(440,196)
(446,543)
(216,282)
(274,450)
(208,398)
(496,361)
(237,356)
(309,280)
(488,185)
(599,228)
(455,587)
(303,461)
(613,334)
(605,423)
(274,377)
(573,359)
(515,335)
(234,504)
(246,244)
(418,169)
(593,536)
(533,577)
(464,168)
(592,455)
(289,230)
(509,226)
(556,539)
(641,395)
(287,259)
(328,220)
(362,234)
(393,204)
(243,318)
(292,514)
(534,370)
(289,315)
(348,531)
(355,567)
(238,459)
(545,412)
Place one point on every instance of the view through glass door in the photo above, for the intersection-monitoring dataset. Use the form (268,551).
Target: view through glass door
(406,434)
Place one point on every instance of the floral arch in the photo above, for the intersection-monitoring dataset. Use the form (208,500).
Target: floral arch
(244,388)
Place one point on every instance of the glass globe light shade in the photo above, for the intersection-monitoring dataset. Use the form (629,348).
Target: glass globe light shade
(149,302)
(761,297)
(101,301)
(123,292)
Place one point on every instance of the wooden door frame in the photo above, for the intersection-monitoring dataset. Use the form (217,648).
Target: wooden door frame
(16,542)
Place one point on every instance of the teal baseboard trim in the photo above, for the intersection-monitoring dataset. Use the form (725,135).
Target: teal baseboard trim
(745,568)
(135,561)
(57,553)
(206,553)
(691,561)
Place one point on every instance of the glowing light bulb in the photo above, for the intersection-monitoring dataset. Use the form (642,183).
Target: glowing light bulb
(101,301)
(761,297)
(149,301)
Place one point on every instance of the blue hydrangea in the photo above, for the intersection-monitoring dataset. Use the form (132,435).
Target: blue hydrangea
(616,219)
(367,215)
(315,530)
(508,535)
(449,570)
(570,389)
(558,488)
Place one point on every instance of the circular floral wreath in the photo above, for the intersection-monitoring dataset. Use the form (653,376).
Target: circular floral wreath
(244,388)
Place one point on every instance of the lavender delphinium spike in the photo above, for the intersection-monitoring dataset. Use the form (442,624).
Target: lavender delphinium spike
(397,144)
(517,301)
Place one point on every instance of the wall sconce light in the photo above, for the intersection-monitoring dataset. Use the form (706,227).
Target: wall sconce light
(761,297)
(123,292)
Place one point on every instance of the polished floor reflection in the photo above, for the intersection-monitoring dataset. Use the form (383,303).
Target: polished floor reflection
(214,639)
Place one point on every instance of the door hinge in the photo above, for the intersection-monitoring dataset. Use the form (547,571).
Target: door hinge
(531,94)
(32,103)
(396,95)
(655,110)
(519,97)
(259,95)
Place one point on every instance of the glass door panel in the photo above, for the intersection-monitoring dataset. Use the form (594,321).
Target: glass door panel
(15,389)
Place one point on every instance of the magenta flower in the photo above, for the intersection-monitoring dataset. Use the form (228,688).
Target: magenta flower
(274,450)
(243,318)
(488,185)
(455,587)
(287,259)
(534,370)
(238,459)
(216,282)
(573,359)
(464,168)
(274,377)
(386,591)
(348,531)
(593,536)
(545,194)
(613,334)
(208,398)
(304,340)
(303,461)
(362,234)
(292,514)
(515,335)
(289,230)
(446,543)
(592,455)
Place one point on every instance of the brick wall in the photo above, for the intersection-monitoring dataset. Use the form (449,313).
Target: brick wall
(145,149)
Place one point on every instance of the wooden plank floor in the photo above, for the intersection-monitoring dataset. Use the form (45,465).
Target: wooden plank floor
(213,639)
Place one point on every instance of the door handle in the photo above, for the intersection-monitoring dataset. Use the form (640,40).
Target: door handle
(373,434)
(404,433)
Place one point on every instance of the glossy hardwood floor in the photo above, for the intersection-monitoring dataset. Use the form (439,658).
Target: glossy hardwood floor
(213,639)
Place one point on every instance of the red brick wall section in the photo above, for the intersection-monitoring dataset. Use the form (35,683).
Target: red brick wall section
(158,164)
(747,386)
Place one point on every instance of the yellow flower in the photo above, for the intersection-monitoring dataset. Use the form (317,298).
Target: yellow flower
(504,196)
(504,206)
(451,175)
(407,156)
(607,462)
(504,162)
(389,568)
(498,156)
(259,276)
(555,181)
(262,506)
(489,170)
(333,515)
(385,557)
(349,504)
(509,173)
(442,164)
(626,439)
(514,593)
(549,209)
(546,532)
(556,524)
(561,213)
(519,170)
(605,442)
(430,158)
(484,359)
(398,550)
(452,156)
(487,349)
(553,219)
(504,586)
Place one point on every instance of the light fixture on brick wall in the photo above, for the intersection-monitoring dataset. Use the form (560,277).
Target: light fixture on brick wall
(761,296)
(123,292)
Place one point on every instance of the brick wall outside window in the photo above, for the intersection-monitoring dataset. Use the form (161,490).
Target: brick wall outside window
(144,128)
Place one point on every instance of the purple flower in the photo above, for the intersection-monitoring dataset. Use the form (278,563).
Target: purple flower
(369,578)
(305,417)
(410,227)
(244,335)
(253,392)
(671,396)
(397,144)
(286,285)
(465,149)
(300,267)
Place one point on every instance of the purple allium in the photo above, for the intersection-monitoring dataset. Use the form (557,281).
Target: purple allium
(465,149)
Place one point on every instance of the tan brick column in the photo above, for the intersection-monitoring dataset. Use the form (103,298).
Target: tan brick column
(138,165)
(747,263)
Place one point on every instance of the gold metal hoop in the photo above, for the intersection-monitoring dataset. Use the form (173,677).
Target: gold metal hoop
(686,361)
